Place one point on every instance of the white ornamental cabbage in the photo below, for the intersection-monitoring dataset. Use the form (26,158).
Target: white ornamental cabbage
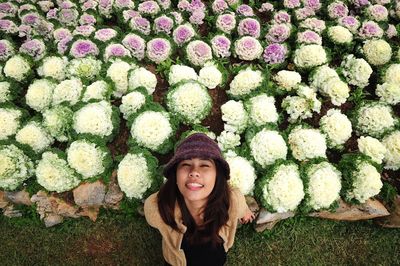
(321,75)
(68,91)
(357,71)
(372,147)
(235,116)
(54,174)
(9,121)
(118,73)
(210,76)
(392,74)
(309,56)
(301,106)
(324,185)
(95,119)
(84,68)
(283,190)
(337,128)
(242,174)
(340,35)
(190,102)
(98,90)
(35,136)
(377,52)
(178,73)
(5,91)
(287,80)
(337,90)
(267,146)
(134,175)
(18,68)
(374,119)
(58,122)
(86,158)
(152,129)
(53,67)
(40,94)
(228,140)
(307,143)
(366,183)
(131,103)
(141,77)
(392,145)
(262,110)
(388,92)
(245,82)
(15,167)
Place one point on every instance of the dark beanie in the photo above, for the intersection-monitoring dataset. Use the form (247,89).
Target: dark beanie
(197,145)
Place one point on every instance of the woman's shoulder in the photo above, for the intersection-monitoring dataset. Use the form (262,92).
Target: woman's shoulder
(151,212)
(235,194)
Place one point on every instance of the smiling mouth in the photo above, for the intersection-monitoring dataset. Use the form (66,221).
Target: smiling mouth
(194,186)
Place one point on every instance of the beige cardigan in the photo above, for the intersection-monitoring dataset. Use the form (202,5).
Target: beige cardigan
(171,239)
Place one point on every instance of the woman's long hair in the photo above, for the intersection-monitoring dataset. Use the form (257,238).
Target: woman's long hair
(215,212)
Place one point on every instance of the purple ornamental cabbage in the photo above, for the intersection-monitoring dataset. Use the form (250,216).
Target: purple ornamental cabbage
(221,46)
(249,26)
(105,35)
(158,50)
(275,53)
(83,48)
(182,34)
(163,24)
(116,50)
(135,44)
(34,48)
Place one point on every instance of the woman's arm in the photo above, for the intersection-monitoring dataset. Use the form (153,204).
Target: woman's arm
(244,213)
(151,213)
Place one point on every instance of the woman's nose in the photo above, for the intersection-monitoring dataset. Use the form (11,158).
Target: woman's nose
(194,172)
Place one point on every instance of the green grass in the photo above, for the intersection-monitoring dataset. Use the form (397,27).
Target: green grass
(115,239)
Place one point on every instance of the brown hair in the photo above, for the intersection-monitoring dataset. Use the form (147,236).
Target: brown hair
(215,212)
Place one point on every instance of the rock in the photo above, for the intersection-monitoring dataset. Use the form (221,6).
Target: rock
(91,212)
(262,227)
(52,220)
(252,203)
(66,210)
(44,203)
(267,217)
(393,220)
(3,201)
(19,197)
(52,209)
(90,194)
(267,220)
(346,212)
(10,212)
(113,197)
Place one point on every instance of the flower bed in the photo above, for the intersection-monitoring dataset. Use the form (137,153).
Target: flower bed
(301,96)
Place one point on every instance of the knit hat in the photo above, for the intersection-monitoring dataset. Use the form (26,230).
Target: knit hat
(197,145)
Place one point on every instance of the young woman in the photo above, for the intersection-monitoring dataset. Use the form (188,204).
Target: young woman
(196,211)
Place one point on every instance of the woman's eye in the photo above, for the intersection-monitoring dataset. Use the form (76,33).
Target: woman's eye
(205,165)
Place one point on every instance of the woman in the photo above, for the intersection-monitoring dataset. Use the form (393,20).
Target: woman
(196,211)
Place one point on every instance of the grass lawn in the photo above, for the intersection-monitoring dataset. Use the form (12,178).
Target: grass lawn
(116,239)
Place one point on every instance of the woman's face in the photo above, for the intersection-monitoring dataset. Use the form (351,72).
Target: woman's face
(196,179)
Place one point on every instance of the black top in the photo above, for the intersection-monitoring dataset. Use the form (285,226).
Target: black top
(203,254)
